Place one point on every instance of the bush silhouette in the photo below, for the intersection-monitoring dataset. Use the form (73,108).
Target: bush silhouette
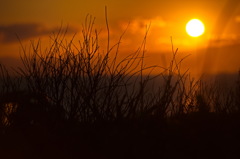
(81,96)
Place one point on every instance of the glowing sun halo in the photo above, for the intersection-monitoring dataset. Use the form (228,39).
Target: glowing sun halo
(195,28)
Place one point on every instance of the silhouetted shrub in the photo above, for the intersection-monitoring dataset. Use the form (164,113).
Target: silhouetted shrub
(81,84)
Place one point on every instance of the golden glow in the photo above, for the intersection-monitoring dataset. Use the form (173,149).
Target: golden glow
(195,28)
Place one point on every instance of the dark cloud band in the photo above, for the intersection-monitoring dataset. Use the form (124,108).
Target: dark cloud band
(9,34)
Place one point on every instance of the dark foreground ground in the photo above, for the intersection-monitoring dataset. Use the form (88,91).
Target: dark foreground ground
(195,136)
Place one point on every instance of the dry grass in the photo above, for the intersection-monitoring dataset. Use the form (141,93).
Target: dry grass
(73,96)
(79,83)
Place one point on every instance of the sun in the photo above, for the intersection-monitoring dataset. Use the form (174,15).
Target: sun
(195,28)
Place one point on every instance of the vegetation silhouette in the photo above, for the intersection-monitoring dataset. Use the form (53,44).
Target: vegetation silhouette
(77,102)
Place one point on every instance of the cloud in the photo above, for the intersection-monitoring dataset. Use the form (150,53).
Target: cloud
(237,19)
(140,25)
(9,33)
(224,40)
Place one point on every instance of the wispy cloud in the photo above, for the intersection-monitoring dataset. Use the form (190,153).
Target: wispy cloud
(139,25)
(224,40)
(237,19)
(9,33)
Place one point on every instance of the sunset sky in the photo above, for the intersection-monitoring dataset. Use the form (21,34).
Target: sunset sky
(217,50)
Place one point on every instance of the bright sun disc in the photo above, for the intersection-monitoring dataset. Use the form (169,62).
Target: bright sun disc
(195,28)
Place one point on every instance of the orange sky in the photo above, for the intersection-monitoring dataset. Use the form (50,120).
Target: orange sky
(218,50)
